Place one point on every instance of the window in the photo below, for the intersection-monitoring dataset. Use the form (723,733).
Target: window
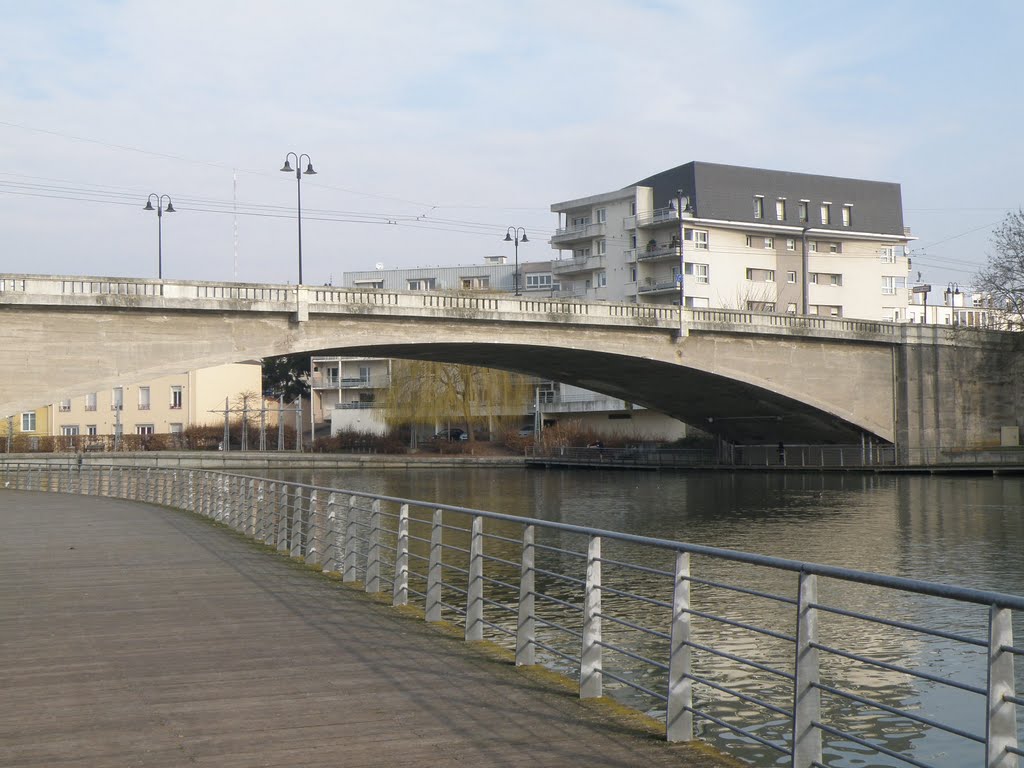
(632,274)
(826,213)
(538,280)
(769,242)
(581,253)
(769,275)
(700,239)
(750,242)
(580,222)
(887,254)
(836,280)
(601,279)
(144,429)
(472,283)
(699,272)
(791,308)
(143,398)
(176,429)
(632,208)
(69,430)
(790,244)
(175,397)
(835,247)
(28,421)
(891,284)
(697,302)
(601,215)
(602,247)
(364,374)
(760,306)
(791,276)
(90,430)
(802,209)
(847,215)
(369,283)
(780,209)
(761,275)
(632,241)
(90,401)
(117,399)
(758,207)
(422,284)
(812,246)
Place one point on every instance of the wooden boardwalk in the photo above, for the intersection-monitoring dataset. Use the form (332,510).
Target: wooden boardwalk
(133,635)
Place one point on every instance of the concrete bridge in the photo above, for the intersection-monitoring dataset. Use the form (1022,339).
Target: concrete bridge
(745,377)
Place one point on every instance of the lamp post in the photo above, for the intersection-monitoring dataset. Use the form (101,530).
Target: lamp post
(516,235)
(159,227)
(287,168)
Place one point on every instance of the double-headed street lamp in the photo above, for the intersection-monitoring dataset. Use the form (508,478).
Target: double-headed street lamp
(298,186)
(159,227)
(516,235)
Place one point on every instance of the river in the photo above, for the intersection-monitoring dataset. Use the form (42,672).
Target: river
(954,529)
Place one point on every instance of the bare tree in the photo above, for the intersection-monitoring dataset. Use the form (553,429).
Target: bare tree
(1002,277)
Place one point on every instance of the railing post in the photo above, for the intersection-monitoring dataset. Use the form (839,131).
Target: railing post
(299,529)
(252,509)
(373,550)
(313,527)
(590,655)
(475,585)
(282,519)
(1001,721)
(350,541)
(433,602)
(332,536)
(806,694)
(679,714)
(400,593)
(525,629)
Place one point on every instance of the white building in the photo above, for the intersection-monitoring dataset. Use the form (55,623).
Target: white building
(748,238)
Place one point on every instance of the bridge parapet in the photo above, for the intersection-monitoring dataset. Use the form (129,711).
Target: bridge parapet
(114,292)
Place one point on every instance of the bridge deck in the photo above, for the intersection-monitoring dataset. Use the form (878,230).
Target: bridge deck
(135,635)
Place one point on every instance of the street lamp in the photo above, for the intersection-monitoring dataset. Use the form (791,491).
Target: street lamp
(159,227)
(287,168)
(516,235)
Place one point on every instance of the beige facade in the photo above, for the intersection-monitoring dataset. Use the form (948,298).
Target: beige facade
(617,247)
(164,405)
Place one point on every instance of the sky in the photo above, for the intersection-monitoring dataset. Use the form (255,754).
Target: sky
(433,127)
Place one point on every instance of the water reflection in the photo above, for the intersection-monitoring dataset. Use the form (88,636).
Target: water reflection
(965,531)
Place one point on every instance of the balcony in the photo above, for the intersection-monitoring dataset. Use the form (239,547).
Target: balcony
(658,252)
(653,286)
(579,232)
(581,264)
(657,217)
(380,381)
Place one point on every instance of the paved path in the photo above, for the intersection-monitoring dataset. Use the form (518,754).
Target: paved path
(132,635)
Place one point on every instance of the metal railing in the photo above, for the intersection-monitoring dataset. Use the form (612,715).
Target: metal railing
(665,624)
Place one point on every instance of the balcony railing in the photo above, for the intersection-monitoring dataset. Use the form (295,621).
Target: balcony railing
(656,217)
(657,286)
(579,232)
(380,381)
(580,264)
(658,252)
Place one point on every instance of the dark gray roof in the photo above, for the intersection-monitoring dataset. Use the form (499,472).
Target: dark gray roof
(727,192)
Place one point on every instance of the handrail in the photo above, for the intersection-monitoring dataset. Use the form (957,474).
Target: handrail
(366,538)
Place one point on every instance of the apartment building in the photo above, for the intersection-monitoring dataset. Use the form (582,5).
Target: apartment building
(495,275)
(741,238)
(348,392)
(164,405)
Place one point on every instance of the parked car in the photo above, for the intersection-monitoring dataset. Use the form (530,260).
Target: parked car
(452,434)
(526,431)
